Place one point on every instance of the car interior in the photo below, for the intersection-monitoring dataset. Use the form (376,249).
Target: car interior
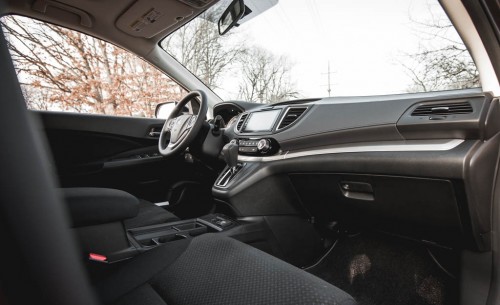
(358,199)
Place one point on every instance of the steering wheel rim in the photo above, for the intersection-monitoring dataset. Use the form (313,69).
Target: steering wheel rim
(179,131)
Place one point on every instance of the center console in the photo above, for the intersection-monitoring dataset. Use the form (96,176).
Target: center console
(145,238)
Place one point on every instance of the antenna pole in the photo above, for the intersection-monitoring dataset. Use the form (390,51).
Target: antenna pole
(329,85)
(329,82)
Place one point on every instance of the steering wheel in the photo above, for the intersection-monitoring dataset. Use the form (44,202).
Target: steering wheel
(182,128)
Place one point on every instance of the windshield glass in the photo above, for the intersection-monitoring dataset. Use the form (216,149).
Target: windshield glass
(318,48)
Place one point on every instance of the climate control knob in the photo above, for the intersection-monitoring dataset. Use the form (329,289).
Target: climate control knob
(263,145)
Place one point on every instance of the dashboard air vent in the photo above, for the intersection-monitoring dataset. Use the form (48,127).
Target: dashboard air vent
(241,121)
(291,115)
(442,109)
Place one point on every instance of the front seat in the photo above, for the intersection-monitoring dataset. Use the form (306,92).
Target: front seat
(214,270)
(42,262)
(103,203)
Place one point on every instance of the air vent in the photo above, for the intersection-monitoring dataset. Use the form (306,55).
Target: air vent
(291,115)
(442,109)
(241,121)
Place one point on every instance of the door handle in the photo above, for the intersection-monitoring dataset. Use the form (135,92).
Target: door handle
(154,132)
(357,190)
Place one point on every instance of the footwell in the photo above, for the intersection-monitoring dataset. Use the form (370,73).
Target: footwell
(381,270)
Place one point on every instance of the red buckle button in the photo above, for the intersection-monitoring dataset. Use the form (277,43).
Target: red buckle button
(97,257)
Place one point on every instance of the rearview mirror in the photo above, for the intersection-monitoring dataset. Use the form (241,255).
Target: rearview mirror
(163,110)
(231,15)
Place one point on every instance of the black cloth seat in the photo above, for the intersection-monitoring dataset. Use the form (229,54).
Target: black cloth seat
(211,269)
(208,269)
(92,205)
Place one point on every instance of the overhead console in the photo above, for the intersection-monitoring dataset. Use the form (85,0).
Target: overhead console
(147,18)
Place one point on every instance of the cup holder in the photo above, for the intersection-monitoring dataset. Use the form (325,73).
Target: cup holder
(149,243)
(169,238)
(150,237)
(188,226)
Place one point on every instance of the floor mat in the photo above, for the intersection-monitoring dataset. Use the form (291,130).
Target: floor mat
(380,270)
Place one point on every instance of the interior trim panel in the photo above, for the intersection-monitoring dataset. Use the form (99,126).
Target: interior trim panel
(394,146)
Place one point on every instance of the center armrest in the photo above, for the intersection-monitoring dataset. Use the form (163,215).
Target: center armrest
(91,206)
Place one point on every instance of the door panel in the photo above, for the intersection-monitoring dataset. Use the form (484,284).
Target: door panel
(116,125)
(116,152)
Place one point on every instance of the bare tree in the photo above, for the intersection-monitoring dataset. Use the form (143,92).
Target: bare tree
(446,66)
(214,58)
(265,77)
(66,70)
(200,48)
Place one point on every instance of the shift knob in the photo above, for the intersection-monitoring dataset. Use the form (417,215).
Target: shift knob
(230,153)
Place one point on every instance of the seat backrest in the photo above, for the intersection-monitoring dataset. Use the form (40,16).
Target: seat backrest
(38,260)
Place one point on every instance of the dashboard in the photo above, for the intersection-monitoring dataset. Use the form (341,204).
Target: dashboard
(229,111)
(419,165)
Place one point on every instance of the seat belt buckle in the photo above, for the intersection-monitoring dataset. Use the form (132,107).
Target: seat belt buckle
(98,258)
(114,257)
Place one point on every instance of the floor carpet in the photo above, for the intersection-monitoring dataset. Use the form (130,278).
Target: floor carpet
(382,270)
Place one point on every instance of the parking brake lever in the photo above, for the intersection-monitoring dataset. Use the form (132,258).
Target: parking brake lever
(230,154)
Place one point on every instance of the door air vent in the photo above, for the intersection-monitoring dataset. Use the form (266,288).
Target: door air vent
(241,121)
(291,115)
(443,109)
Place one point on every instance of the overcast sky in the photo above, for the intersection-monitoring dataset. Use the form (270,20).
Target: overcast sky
(365,42)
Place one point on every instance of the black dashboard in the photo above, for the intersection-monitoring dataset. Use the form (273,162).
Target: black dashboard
(334,121)
(416,164)
(232,109)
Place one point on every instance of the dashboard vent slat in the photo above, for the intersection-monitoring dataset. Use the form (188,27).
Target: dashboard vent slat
(241,121)
(291,116)
(443,109)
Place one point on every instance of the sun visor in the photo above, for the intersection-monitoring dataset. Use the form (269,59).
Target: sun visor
(147,18)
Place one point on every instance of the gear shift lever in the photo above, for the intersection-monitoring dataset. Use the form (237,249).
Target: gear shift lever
(230,153)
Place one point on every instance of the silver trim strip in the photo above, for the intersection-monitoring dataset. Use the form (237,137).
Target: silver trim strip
(390,146)
(224,176)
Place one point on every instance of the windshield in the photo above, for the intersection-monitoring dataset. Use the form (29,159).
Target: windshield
(319,48)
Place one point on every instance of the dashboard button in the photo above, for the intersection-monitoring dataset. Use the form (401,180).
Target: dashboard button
(248,149)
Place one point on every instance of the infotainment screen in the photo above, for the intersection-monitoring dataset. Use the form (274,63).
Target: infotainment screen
(261,121)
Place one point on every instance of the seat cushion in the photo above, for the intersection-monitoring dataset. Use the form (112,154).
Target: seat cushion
(93,206)
(212,269)
(149,214)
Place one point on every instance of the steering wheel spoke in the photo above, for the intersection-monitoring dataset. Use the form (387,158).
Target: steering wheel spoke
(169,123)
(191,121)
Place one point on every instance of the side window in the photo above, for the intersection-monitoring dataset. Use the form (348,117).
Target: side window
(65,70)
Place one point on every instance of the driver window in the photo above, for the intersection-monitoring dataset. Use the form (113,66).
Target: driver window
(64,70)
